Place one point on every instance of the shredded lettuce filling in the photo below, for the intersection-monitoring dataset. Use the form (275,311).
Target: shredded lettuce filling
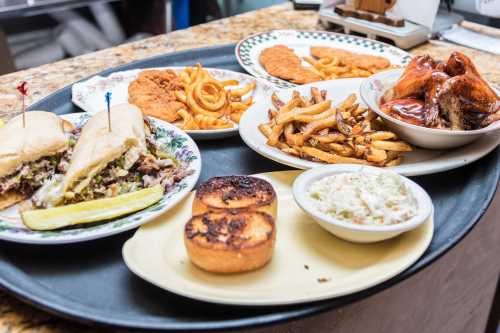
(117,179)
(133,171)
(32,175)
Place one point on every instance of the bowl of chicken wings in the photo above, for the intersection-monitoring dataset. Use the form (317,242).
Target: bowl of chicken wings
(434,104)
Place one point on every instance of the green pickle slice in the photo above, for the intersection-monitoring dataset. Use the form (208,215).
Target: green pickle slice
(91,211)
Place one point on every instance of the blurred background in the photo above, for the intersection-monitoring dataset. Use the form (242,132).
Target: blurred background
(35,32)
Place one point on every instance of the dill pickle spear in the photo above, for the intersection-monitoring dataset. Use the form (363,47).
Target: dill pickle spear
(91,211)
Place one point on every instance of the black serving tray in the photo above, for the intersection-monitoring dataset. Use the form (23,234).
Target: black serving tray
(89,282)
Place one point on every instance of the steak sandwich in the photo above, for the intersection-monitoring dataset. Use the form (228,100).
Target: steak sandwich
(106,163)
(30,155)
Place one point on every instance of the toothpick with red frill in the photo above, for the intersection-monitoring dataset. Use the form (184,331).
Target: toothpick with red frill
(23,90)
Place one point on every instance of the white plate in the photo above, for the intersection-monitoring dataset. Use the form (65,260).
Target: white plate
(248,49)
(172,139)
(89,95)
(309,264)
(418,162)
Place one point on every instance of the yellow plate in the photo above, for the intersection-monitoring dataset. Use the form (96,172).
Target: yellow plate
(309,264)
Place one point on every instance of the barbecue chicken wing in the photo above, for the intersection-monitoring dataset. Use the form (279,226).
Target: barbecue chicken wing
(434,86)
(454,93)
(414,79)
(466,99)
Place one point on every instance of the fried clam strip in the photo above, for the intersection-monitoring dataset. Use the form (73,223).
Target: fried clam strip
(310,128)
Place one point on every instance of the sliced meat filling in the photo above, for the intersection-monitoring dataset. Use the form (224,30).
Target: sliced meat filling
(121,176)
(32,175)
(115,179)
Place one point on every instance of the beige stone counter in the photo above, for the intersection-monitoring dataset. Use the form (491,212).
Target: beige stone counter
(44,80)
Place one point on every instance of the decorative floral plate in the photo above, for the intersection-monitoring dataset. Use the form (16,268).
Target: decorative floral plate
(248,50)
(89,95)
(172,140)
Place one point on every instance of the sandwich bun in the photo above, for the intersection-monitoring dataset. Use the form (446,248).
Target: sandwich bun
(42,136)
(230,241)
(97,146)
(11,198)
(237,193)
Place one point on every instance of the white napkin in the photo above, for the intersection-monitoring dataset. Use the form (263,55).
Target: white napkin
(462,36)
(422,12)
(488,7)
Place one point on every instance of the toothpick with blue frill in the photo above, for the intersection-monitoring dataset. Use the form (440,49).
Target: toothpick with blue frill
(108,104)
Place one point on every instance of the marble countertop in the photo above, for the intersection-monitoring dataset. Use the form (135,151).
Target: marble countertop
(46,79)
(16,317)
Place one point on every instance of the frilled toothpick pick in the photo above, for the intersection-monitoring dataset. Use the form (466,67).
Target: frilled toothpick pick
(23,89)
(108,103)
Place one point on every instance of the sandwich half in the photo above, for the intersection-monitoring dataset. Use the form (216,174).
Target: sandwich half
(107,163)
(30,155)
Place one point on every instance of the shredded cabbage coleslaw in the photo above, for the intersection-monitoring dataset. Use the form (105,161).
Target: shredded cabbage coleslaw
(364,198)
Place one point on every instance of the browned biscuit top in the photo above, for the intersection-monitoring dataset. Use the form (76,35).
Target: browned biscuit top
(229,189)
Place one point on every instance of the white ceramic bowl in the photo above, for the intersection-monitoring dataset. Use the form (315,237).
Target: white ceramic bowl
(372,89)
(356,232)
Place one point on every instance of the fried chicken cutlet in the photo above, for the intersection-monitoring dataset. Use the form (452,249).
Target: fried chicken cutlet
(282,62)
(153,93)
(346,58)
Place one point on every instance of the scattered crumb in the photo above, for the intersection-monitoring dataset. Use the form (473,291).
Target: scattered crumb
(181,262)
(306,267)
(324,280)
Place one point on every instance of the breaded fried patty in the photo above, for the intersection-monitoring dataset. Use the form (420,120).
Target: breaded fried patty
(282,62)
(153,93)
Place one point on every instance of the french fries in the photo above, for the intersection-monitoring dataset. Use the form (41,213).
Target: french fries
(315,129)
(332,68)
(212,104)
(208,122)
(188,121)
